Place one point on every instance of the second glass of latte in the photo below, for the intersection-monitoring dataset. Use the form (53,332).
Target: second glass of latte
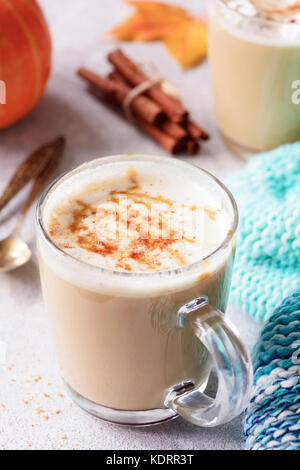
(254,53)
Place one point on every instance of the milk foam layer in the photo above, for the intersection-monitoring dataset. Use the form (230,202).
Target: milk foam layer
(283,10)
(172,180)
(136,218)
(242,18)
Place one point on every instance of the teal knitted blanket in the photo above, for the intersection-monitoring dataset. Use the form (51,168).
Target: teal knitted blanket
(267,266)
(272,419)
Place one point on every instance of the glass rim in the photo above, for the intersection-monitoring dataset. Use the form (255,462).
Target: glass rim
(151,274)
(269,21)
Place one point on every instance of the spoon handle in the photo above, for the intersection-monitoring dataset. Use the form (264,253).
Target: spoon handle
(40,180)
(29,169)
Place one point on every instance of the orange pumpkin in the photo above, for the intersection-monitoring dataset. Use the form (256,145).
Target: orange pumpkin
(25,57)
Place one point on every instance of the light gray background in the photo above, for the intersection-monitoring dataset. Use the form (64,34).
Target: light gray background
(78,30)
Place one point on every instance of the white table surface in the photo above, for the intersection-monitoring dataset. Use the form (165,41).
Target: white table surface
(33,415)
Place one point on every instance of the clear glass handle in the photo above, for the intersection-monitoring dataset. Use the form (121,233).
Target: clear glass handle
(232,363)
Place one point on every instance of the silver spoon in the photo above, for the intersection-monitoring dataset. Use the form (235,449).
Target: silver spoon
(14,252)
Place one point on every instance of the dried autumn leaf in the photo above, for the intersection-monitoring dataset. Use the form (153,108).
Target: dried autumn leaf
(128,29)
(158,12)
(151,22)
(136,28)
(184,36)
(188,44)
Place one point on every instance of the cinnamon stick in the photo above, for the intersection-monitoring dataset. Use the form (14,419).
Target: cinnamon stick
(170,144)
(195,131)
(141,106)
(192,147)
(134,75)
(161,116)
(115,75)
(30,168)
(169,127)
(174,129)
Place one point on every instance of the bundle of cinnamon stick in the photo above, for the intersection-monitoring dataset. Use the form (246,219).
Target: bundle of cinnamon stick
(161,115)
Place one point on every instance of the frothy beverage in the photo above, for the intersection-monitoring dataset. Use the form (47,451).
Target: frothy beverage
(137,220)
(255,67)
(128,241)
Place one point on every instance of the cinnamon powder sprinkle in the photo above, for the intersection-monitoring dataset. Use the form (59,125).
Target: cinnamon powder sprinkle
(78,216)
(141,249)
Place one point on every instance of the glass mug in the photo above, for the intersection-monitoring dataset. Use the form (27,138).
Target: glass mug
(255,71)
(137,348)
